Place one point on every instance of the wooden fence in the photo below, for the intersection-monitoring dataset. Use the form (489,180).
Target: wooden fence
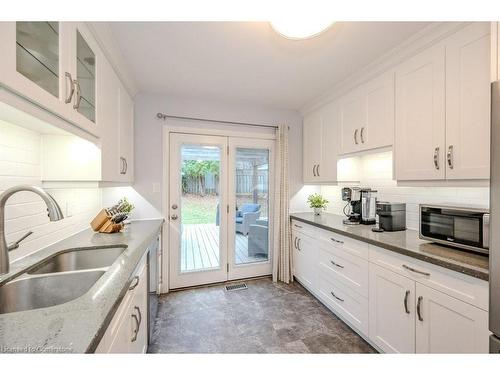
(244,183)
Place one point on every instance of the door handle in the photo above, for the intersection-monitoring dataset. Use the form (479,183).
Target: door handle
(419,313)
(295,242)
(134,283)
(449,156)
(317,170)
(298,244)
(72,88)
(436,158)
(361,134)
(407,294)
(337,241)
(138,312)
(356,136)
(415,270)
(174,217)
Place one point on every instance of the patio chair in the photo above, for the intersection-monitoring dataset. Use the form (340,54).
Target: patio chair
(258,241)
(246,216)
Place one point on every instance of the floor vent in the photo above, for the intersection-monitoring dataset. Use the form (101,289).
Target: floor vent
(233,287)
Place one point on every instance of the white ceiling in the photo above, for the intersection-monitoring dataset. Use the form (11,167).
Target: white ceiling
(248,61)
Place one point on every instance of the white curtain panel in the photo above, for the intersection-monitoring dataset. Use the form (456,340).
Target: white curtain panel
(282,261)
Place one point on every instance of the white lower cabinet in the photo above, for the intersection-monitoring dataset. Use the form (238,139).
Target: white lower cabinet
(398,304)
(127,332)
(392,311)
(447,325)
(304,259)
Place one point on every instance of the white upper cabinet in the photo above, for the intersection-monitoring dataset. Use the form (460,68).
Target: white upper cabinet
(320,144)
(443,322)
(420,116)
(311,146)
(117,112)
(126,154)
(443,109)
(53,65)
(468,103)
(367,116)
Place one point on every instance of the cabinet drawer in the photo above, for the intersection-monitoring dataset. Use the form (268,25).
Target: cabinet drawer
(463,287)
(346,303)
(336,264)
(303,228)
(353,247)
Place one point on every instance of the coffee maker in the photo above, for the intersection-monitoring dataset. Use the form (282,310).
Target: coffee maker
(361,205)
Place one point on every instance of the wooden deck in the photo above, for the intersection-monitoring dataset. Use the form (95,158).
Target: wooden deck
(200,248)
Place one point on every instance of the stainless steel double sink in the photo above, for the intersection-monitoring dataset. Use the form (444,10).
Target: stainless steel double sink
(58,279)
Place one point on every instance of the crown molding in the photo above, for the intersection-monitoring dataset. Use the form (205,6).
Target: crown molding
(418,42)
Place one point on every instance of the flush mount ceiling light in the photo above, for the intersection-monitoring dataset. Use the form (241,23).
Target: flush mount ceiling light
(301,28)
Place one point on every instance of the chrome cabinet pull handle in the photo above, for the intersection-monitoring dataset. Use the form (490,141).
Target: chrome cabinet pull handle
(336,264)
(449,156)
(356,136)
(407,294)
(338,298)
(295,242)
(72,88)
(314,170)
(361,134)
(298,244)
(122,162)
(78,94)
(436,158)
(134,283)
(298,226)
(139,312)
(126,166)
(338,241)
(136,330)
(419,313)
(317,170)
(416,271)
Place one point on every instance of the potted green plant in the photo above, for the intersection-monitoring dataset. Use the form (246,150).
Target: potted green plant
(317,202)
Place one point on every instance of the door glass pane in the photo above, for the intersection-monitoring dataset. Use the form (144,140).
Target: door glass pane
(252,205)
(200,208)
(85,72)
(37,53)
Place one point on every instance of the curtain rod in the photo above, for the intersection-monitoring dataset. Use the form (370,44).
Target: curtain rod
(163,116)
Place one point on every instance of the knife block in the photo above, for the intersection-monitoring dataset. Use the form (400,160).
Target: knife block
(102,223)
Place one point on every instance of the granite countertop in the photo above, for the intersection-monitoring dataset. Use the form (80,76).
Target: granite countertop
(77,326)
(404,242)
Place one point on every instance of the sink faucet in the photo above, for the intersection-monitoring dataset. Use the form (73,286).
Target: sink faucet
(53,209)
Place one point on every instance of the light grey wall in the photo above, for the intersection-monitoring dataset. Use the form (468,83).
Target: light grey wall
(148,140)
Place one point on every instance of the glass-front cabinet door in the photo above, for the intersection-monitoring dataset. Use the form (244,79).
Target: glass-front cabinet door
(85,77)
(52,64)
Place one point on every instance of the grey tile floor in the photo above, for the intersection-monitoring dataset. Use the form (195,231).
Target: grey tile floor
(265,318)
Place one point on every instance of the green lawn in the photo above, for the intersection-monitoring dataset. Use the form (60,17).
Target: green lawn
(198,210)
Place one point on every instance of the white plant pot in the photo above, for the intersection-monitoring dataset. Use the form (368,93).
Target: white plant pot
(317,211)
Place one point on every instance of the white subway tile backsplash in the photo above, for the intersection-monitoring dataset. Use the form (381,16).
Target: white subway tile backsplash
(20,164)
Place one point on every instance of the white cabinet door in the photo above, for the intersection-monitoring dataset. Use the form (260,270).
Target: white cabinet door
(108,95)
(126,136)
(311,146)
(330,120)
(352,120)
(305,260)
(468,103)
(447,325)
(392,311)
(378,130)
(34,63)
(420,116)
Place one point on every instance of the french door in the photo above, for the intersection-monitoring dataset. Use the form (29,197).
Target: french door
(220,208)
